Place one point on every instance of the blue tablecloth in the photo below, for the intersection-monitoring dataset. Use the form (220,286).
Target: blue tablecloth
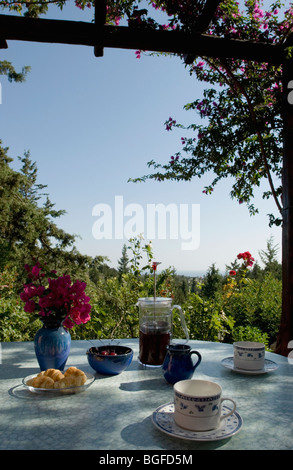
(115,413)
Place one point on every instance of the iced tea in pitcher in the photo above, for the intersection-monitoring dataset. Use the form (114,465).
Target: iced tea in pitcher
(155,329)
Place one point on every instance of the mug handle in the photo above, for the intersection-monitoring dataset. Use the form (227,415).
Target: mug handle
(183,323)
(230,412)
(193,351)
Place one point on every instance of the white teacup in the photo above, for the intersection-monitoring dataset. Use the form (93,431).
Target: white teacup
(249,355)
(198,405)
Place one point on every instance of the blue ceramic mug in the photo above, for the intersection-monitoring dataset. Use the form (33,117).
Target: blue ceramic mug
(178,364)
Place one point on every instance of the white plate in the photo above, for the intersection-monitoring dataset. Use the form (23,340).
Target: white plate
(163,419)
(56,391)
(270,366)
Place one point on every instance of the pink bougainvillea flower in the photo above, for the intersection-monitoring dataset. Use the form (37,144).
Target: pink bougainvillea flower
(36,271)
(29,306)
(61,298)
(30,290)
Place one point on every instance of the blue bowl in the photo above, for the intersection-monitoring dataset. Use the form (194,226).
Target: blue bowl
(113,363)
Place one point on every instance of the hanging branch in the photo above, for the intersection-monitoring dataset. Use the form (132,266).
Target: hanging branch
(242,90)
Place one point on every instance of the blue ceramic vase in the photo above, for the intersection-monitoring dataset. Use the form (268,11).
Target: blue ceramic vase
(52,346)
(178,364)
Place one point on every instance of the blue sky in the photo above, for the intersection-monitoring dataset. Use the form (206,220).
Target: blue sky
(92,123)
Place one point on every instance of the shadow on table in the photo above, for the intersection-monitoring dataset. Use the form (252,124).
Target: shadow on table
(23,393)
(144,435)
(147,384)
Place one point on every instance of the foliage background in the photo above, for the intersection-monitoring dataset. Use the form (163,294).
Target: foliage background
(244,303)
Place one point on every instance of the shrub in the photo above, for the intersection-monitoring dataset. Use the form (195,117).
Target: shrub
(257,304)
(250,333)
(205,319)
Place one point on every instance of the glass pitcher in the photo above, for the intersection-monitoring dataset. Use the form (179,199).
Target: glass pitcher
(155,329)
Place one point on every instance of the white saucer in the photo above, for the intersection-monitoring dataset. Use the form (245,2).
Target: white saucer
(269,367)
(163,419)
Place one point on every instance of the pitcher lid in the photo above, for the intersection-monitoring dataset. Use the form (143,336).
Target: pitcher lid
(151,300)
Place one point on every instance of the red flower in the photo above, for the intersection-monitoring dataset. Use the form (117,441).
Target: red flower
(246,256)
(232,272)
(155,264)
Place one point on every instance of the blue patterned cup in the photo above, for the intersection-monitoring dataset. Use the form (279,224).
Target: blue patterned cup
(249,355)
(198,405)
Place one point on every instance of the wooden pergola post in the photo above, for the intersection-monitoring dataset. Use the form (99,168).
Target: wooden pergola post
(100,19)
(286,326)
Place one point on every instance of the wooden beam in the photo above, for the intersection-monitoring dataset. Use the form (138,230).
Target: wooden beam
(3,44)
(178,42)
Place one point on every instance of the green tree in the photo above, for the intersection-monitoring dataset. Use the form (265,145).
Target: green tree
(99,270)
(269,259)
(7,69)
(30,189)
(181,289)
(211,282)
(123,262)
(28,228)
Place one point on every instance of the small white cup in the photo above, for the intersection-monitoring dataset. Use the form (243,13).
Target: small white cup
(249,355)
(198,405)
